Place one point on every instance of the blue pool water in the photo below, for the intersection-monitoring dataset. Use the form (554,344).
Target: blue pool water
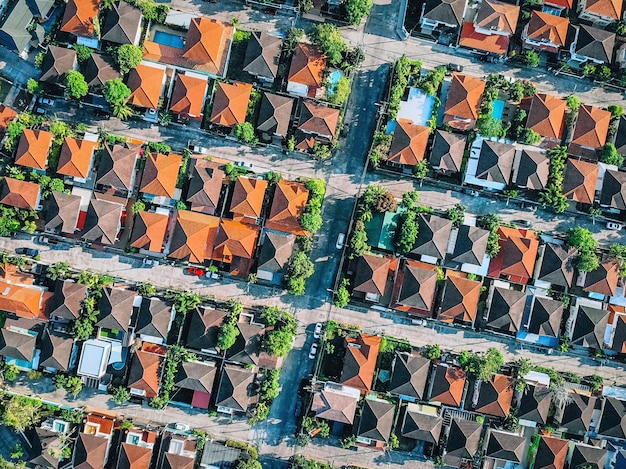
(333,79)
(167,39)
(498,109)
(418,108)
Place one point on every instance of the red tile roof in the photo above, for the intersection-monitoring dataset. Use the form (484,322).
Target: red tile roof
(149,365)
(6,116)
(20,194)
(80,16)
(188,95)
(409,143)
(517,256)
(546,27)
(500,394)
(23,301)
(359,363)
(207,44)
(134,457)
(145,83)
(448,385)
(464,96)
(230,103)
(247,201)
(592,126)
(497,16)
(290,199)
(546,115)
(149,231)
(318,119)
(32,150)
(235,239)
(307,65)
(609,8)
(460,299)
(581,178)
(495,43)
(160,174)
(75,158)
(193,236)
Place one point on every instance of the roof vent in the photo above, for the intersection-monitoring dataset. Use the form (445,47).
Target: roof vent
(6,291)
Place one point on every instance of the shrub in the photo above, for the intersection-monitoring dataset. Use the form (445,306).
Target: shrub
(128,57)
(75,85)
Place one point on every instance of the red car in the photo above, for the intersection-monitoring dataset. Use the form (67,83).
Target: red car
(195,271)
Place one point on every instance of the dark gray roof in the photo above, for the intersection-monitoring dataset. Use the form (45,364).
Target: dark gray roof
(471,245)
(595,43)
(535,404)
(418,287)
(506,310)
(196,376)
(42,441)
(122,24)
(433,236)
(613,419)
(587,456)
(577,413)
(463,438)
(376,420)
(421,426)
(557,265)
(614,189)
(203,327)
(620,136)
(589,327)
(495,161)
(17,345)
(115,308)
(205,185)
(262,54)
(117,165)
(409,375)
(13,32)
(276,251)
(247,346)
(154,318)
(545,317)
(56,63)
(506,446)
(217,455)
(102,222)
(235,388)
(56,351)
(447,150)
(445,11)
(533,170)
(274,114)
(98,70)
(67,300)
(62,212)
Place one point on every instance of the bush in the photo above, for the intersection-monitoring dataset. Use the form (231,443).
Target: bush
(116,92)
(244,131)
(82,52)
(339,94)
(342,297)
(33,86)
(128,57)
(609,155)
(531,58)
(356,10)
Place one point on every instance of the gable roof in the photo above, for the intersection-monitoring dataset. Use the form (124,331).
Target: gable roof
(577,412)
(580,181)
(445,11)
(274,114)
(463,438)
(497,16)
(56,63)
(517,255)
(613,419)
(235,239)
(56,351)
(557,264)
(122,24)
(145,83)
(76,156)
(506,310)
(115,308)
(421,426)
(408,144)
(144,373)
(17,345)
(546,115)
(533,171)
(188,95)
(318,119)
(134,457)
(24,301)
(160,174)
(418,286)
(359,361)
(99,69)
(262,54)
(464,96)
(235,388)
(66,302)
(546,27)
(607,8)
(535,404)
(545,317)
(589,327)
(614,189)
(102,221)
(79,17)
(595,43)
(32,150)
(117,165)
(149,230)
(205,185)
(471,245)
(460,299)
(176,461)
(13,33)
(204,326)
(619,337)
(333,403)
(18,193)
(154,318)
(551,453)
(196,376)
(276,251)
(506,446)
(448,385)
(620,136)
(604,279)
(592,126)
(433,235)
(288,205)
(371,274)
(495,161)
(193,236)
(376,420)
(409,375)
(207,44)
(247,198)
(495,396)
(61,215)
(447,151)
(90,451)
(585,456)
(307,65)
(230,103)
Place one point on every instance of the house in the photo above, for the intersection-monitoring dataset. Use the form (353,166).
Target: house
(506,308)
(235,391)
(288,206)
(505,446)
(79,20)
(305,73)
(415,288)
(470,246)
(613,418)
(178,450)
(21,30)
(491,28)
(589,327)
(551,453)
(103,222)
(24,301)
(216,454)
(154,320)
(359,361)
(95,355)
(576,414)
(32,149)
(620,135)
(318,123)
(464,95)
(187,100)
(336,403)
(136,451)
(98,69)
(517,256)
(494,397)
(460,300)
(17,346)
(203,329)
(149,230)
(557,265)
(603,280)
(592,127)
(618,343)
(56,351)
(90,451)
(377,418)
(76,158)
(262,56)
(230,103)
(535,404)
(545,32)
(206,179)
(160,175)
(545,316)
(276,250)
(448,385)
(531,170)
(247,199)
(56,63)
(145,82)
(66,302)
(592,45)
(274,115)
(235,244)
(546,115)
(588,456)
(45,444)
(409,376)
(122,24)
(370,281)
(433,236)
(7,115)
(421,425)
(580,181)
(408,144)
(442,15)
(19,194)
(145,370)
(247,347)
(463,440)
(490,164)
(446,155)
(600,12)
(115,308)
(61,213)
(193,236)
(613,192)
(116,167)
(198,378)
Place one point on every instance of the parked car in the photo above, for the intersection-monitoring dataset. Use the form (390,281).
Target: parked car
(39,110)
(148,261)
(213,275)
(522,223)
(614,226)
(313,351)
(244,164)
(27,252)
(419,322)
(528,206)
(318,330)
(341,239)
(46,101)
(195,271)
(454,67)
(45,240)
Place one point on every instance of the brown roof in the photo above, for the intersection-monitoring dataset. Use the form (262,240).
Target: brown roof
(56,350)
(99,69)
(359,362)
(331,404)
(448,384)
(263,54)
(56,63)
(75,158)
(608,8)
(497,16)
(149,231)
(276,251)
(235,388)
(447,151)
(230,103)
(90,451)
(580,181)
(371,274)
(80,16)
(604,279)
(20,194)
(464,96)
(62,212)
(115,309)
(122,23)
(506,310)
(495,396)
(546,27)
(205,185)
(614,189)
(144,373)
(207,44)
(460,299)
(248,196)
(17,345)
(546,115)
(274,114)
(117,166)
(160,174)
(592,126)
(290,199)
(418,287)
(188,95)
(533,171)
(145,83)
(102,222)
(307,65)
(517,255)
(318,119)
(32,151)
(235,239)
(551,453)
(409,143)
(134,457)
(67,300)
(193,236)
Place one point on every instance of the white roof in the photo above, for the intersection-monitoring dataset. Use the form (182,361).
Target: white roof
(94,358)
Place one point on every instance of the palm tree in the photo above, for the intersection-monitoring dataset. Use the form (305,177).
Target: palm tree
(122,111)
(58,270)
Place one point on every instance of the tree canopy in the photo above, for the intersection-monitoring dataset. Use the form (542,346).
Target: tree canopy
(76,86)
(356,10)
(128,57)
(116,92)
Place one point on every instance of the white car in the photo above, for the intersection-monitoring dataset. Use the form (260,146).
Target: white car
(201,150)
(318,330)
(313,351)
(341,239)
(244,164)
(46,101)
(147,261)
(614,226)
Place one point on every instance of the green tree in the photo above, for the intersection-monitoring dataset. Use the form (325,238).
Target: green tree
(489,126)
(582,239)
(342,297)
(328,37)
(122,111)
(279,342)
(116,92)
(21,412)
(146,289)
(138,206)
(587,262)
(393,442)
(121,395)
(609,155)
(420,170)
(531,58)
(33,87)
(615,110)
(589,70)
(339,93)
(433,352)
(456,214)
(10,372)
(227,336)
(356,10)
(58,270)
(128,57)
(311,222)
(573,103)
(75,85)
(73,385)
(249,464)
(244,131)
(82,52)
(408,232)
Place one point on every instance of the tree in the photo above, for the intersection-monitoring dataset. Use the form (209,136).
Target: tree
(609,155)
(489,126)
(408,233)
(138,206)
(244,131)
(122,111)
(128,57)
(58,270)
(352,59)
(249,464)
(73,385)
(587,262)
(581,239)
(456,214)
(146,289)
(227,336)
(76,86)
(21,412)
(595,382)
(589,69)
(10,372)
(328,37)
(531,58)
(393,442)
(356,10)
(615,110)
(342,297)
(433,352)
(420,170)
(491,363)
(311,222)
(573,103)
(278,342)
(33,87)
(338,94)
(82,52)
(121,395)
(116,92)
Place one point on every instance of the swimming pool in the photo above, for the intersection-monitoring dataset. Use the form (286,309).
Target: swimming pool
(498,109)
(333,79)
(418,107)
(167,39)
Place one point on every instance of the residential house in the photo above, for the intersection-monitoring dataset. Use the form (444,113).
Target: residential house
(197,379)
(576,414)
(545,316)
(370,281)
(65,304)
(246,204)
(235,244)
(557,264)
(580,181)
(305,73)
(145,371)
(545,115)
(19,194)
(145,82)
(494,397)
(470,246)
(160,176)
(61,213)
(154,320)
(446,155)
(463,440)
(545,32)
(447,385)
(491,28)
(17,346)
(506,308)
(216,454)
(44,446)
(276,250)
(149,230)
(603,280)
(336,403)
(79,20)
(24,301)
(247,347)
(460,300)
(359,361)
(535,404)
(420,422)
(235,392)
(32,149)
(122,24)
(7,115)
(589,327)
(75,160)
(56,63)
(136,450)
(95,355)
(193,236)
(98,69)
(588,456)
(517,256)
(288,206)
(187,100)
(408,144)
(178,450)
(600,12)
(103,222)
(56,351)
(613,192)
(592,45)
(262,56)
(203,329)
(531,170)
(618,339)
(318,124)
(415,288)
(505,447)
(551,453)
(620,135)
(613,418)
(206,179)
(115,308)
(490,164)
(377,419)
(433,236)
(592,127)
(230,103)
(116,167)
(409,376)
(442,15)
(21,30)
(463,101)
(274,115)
(90,451)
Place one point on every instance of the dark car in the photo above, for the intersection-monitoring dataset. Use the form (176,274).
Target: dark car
(454,67)
(27,252)
(522,223)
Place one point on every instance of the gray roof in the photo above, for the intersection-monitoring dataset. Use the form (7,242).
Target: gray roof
(620,136)
(595,43)
(17,345)
(203,327)
(43,441)
(614,189)
(471,245)
(421,426)
(154,318)
(56,63)
(276,251)
(613,420)
(122,24)
(196,376)
(545,317)
(463,438)
(535,404)
(506,446)
(533,170)
(13,33)
(274,114)
(102,222)
(447,151)
(62,212)
(589,327)
(376,420)
(262,54)
(495,161)
(409,375)
(557,265)
(218,455)
(585,456)
(115,308)
(56,351)
(445,11)
(432,236)
(506,310)
(577,413)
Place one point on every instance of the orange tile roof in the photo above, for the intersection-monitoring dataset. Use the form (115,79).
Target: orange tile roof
(359,362)
(307,65)
(544,26)
(193,236)
(409,143)
(188,95)
(105,423)
(592,126)
(6,116)
(546,115)
(145,83)
(160,174)
(318,119)
(13,274)
(75,158)
(609,8)
(248,196)
(460,299)
(495,43)
(80,16)
(134,457)
(290,199)
(149,364)
(498,16)
(235,239)
(448,389)
(581,178)
(502,387)
(517,255)
(230,103)
(22,301)
(149,231)
(207,44)
(464,96)
(20,194)
(32,150)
